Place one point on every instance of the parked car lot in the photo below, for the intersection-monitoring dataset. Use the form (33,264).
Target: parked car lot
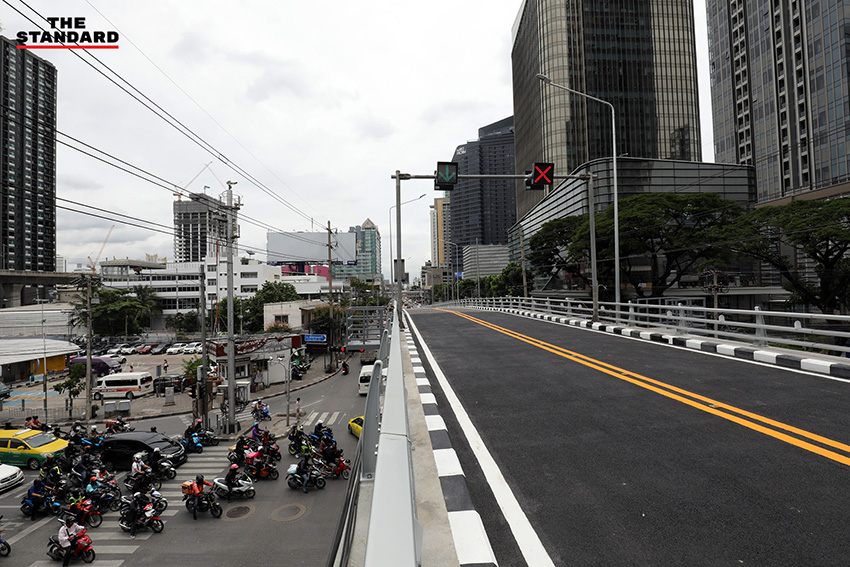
(146,348)
(176,348)
(161,348)
(116,349)
(120,358)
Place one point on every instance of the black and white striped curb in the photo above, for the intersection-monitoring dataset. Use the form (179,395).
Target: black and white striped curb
(792,361)
(470,539)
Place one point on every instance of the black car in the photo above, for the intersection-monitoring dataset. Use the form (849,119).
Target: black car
(118,449)
(176,381)
(160,348)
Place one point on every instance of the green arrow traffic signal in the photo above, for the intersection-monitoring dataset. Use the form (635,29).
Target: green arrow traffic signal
(447,176)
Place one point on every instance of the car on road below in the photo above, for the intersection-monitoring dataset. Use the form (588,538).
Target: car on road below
(5,391)
(10,477)
(176,348)
(119,448)
(355,426)
(160,348)
(146,349)
(28,447)
(368,356)
(176,381)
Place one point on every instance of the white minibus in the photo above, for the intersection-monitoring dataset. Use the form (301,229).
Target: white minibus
(365,378)
(123,385)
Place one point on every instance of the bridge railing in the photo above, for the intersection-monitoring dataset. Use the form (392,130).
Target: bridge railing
(383,464)
(817,332)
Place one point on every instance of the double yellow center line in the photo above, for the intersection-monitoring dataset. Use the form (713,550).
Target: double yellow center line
(776,429)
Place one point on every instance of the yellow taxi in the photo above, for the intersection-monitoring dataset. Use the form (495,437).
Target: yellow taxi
(355,426)
(28,447)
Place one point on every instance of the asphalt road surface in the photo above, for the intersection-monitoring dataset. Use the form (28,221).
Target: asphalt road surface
(290,527)
(623,452)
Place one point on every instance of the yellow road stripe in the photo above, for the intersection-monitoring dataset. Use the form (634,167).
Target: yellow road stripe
(675,393)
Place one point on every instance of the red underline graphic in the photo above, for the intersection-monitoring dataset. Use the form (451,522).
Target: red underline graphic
(67,47)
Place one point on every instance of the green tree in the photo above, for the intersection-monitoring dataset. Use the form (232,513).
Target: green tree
(147,304)
(552,253)
(818,229)
(115,313)
(74,385)
(271,292)
(663,236)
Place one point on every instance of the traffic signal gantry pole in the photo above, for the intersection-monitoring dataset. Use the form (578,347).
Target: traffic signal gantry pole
(447,179)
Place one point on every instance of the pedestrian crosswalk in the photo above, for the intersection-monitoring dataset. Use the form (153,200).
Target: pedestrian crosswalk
(328,418)
(114,546)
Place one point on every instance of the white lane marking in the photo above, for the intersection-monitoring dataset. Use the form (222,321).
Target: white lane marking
(470,537)
(527,539)
(447,462)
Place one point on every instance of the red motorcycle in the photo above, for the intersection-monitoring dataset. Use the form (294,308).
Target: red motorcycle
(339,468)
(82,548)
(85,513)
(261,468)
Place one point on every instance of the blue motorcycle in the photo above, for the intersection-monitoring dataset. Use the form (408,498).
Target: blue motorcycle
(261,415)
(193,444)
(48,505)
(5,548)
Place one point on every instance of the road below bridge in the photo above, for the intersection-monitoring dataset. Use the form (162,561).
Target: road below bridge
(624,452)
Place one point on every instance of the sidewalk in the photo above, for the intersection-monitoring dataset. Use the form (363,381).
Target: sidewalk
(141,408)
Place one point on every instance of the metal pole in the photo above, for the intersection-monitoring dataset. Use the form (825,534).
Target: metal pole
(288,369)
(231,346)
(593,282)
(201,390)
(522,259)
(44,369)
(88,348)
(331,296)
(398,267)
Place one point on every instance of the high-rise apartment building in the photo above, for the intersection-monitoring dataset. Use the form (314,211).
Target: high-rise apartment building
(780,89)
(482,210)
(27,160)
(200,226)
(638,56)
(441,232)
(367,265)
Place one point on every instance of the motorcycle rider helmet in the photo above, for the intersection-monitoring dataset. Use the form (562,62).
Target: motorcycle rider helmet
(156,450)
(69,521)
(200,420)
(48,457)
(93,479)
(199,478)
(234,466)
(94,428)
(256,424)
(319,422)
(137,458)
(137,495)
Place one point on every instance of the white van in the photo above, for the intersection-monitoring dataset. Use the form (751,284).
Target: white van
(365,378)
(123,385)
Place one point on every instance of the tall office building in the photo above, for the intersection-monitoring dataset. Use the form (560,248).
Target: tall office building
(27,160)
(779,88)
(482,210)
(638,56)
(441,232)
(367,264)
(200,226)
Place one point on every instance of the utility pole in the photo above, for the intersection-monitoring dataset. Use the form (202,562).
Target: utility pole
(331,295)
(202,385)
(231,346)
(522,261)
(88,348)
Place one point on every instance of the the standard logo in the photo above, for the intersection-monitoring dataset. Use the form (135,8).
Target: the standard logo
(65,31)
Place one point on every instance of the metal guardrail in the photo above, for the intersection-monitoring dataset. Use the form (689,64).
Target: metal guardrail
(383,459)
(756,327)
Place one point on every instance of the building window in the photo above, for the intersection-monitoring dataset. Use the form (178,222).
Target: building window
(281,319)
(248,275)
(249,289)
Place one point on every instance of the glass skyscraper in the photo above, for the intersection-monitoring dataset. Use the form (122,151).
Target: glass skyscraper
(780,86)
(639,55)
(27,160)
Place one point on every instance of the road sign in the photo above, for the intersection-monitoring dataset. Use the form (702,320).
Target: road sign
(315,338)
(447,176)
(543,174)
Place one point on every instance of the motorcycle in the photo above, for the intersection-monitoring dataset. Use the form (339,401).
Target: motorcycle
(340,468)
(344,368)
(5,548)
(86,514)
(261,415)
(152,496)
(206,503)
(49,505)
(118,426)
(162,471)
(260,469)
(294,480)
(244,487)
(300,447)
(82,548)
(146,518)
(142,482)
(193,444)
(207,438)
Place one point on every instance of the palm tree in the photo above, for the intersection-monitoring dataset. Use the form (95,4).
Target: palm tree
(146,303)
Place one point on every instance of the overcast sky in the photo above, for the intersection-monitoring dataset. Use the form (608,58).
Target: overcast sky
(320,102)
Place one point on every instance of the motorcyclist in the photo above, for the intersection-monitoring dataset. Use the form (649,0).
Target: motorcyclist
(133,513)
(75,501)
(344,367)
(198,493)
(155,458)
(257,432)
(303,470)
(230,479)
(50,471)
(68,538)
(138,470)
(198,427)
(241,445)
(94,490)
(319,429)
(36,495)
(35,423)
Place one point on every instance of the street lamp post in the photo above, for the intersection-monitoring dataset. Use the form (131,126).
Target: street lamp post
(548,81)
(456,290)
(390,213)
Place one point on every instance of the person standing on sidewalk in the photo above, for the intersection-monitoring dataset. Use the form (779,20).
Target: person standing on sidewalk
(298,412)
(165,366)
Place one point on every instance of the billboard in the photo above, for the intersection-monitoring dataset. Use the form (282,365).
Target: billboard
(311,247)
